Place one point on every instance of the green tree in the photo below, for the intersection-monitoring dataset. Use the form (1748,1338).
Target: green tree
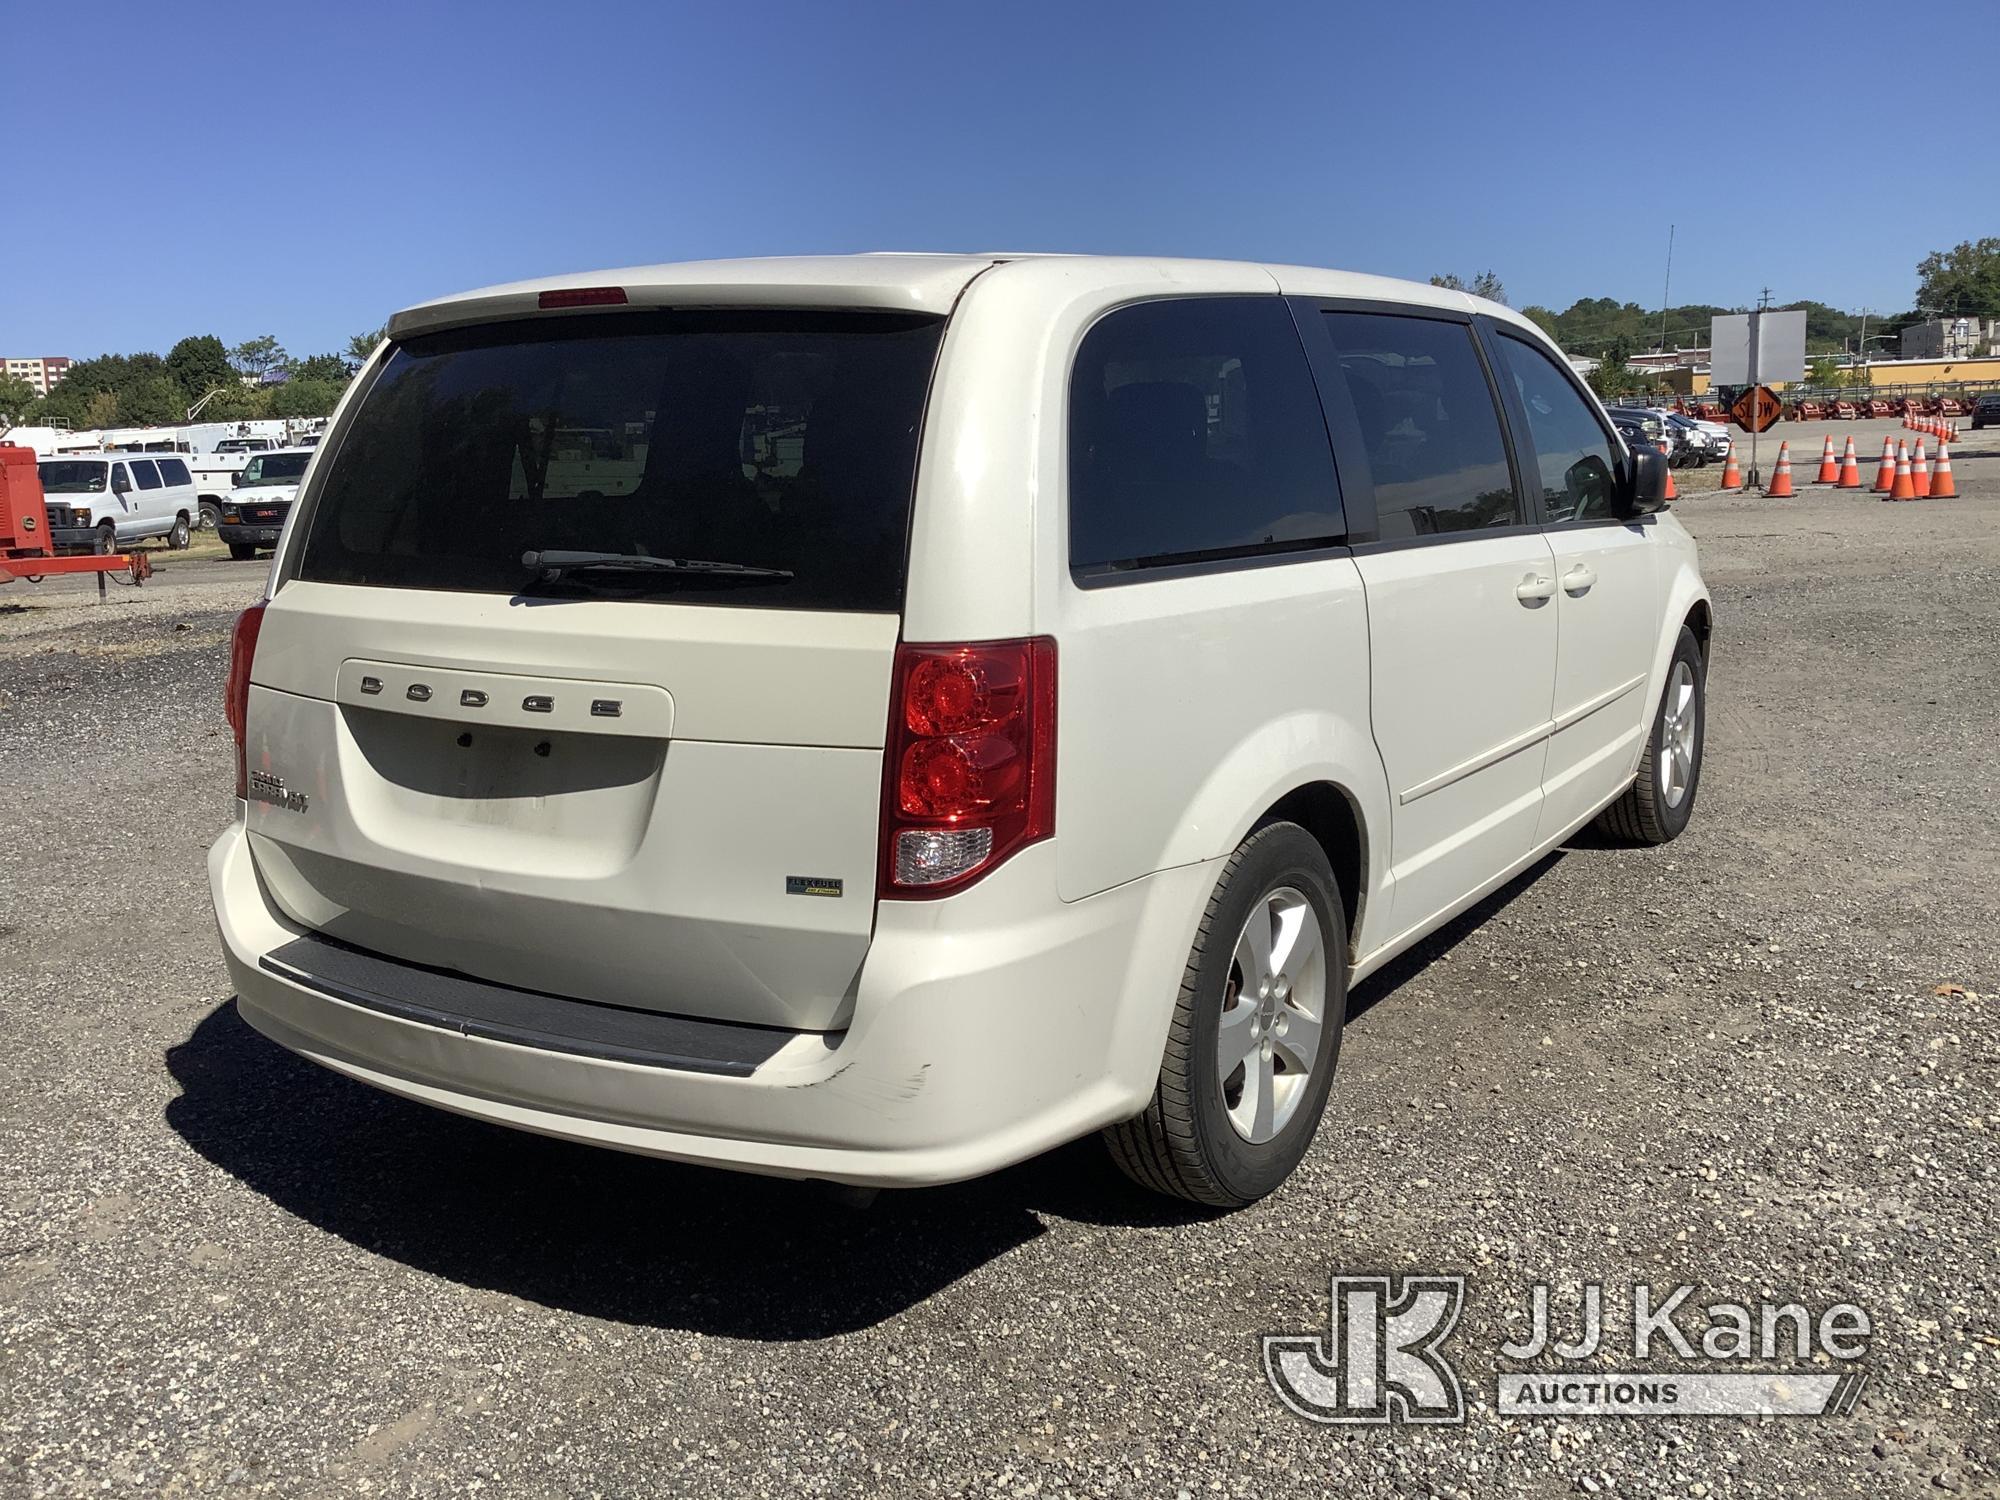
(239,403)
(260,355)
(1487,285)
(152,400)
(305,398)
(322,367)
(107,375)
(199,363)
(1449,282)
(17,399)
(1825,373)
(362,345)
(1542,318)
(100,409)
(1962,282)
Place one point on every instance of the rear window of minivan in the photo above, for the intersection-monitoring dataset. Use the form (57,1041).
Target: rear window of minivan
(775,440)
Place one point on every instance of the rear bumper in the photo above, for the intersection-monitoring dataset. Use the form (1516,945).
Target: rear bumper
(987,1027)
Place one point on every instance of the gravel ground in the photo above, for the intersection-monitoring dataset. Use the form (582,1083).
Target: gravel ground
(1725,1062)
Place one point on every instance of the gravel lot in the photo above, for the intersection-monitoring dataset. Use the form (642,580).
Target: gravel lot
(1725,1062)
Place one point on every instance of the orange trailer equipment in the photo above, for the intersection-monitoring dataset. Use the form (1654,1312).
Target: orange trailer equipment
(25,548)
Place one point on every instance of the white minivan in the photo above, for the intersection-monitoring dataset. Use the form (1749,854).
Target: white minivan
(106,501)
(878,718)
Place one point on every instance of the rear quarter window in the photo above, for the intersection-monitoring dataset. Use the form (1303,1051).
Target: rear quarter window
(1195,433)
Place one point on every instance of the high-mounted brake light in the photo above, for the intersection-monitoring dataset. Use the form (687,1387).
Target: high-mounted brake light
(236,693)
(969,764)
(584,296)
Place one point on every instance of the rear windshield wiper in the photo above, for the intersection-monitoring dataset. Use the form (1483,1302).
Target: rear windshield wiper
(553,565)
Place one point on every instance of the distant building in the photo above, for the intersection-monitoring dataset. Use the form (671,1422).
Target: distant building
(1951,338)
(1670,359)
(39,373)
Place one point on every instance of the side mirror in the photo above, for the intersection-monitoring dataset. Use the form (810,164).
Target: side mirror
(236,480)
(1644,492)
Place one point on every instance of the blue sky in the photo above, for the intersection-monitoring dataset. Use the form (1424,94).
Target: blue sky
(323,164)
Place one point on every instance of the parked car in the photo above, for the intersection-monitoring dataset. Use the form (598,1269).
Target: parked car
(1705,442)
(1659,431)
(1986,408)
(1640,428)
(878,718)
(253,514)
(108,501)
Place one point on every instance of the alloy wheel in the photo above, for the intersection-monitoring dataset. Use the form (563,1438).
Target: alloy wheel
(1273,1011)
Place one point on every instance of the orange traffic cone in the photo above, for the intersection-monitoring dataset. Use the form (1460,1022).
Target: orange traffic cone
(1829,467)
(1672,493)
(1781,476)
(1850,468)
(1732,477)
(1885,476)
(1942,487)
(1904,489)
(1920,472)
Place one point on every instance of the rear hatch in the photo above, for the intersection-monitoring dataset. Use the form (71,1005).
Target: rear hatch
(649,783)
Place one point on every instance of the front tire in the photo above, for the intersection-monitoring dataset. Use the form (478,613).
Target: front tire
(1658,804)
(107,540)
(242,551)
(1255,1034)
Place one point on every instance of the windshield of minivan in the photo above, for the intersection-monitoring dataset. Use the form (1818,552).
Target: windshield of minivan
(275,468)
(71,476)
(782,440)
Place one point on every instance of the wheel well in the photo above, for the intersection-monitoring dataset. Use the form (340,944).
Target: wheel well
(1326,812)
(1699,620)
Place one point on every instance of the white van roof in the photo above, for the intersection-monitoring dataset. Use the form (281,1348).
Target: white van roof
(894,281)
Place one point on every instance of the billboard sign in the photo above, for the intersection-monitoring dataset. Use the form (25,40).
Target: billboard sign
(1758,348)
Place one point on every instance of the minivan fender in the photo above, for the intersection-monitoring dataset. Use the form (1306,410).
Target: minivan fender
(1685,593)
(1275,761)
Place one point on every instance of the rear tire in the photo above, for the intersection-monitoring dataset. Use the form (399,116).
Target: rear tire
(1250,1055)
(242,551)
(211,516)
(177,539)
(1657,806)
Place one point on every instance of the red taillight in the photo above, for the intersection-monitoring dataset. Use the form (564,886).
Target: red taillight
(584,296)
(236,695)
(970,762)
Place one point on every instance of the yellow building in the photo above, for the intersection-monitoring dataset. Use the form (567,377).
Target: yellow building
(1981,371)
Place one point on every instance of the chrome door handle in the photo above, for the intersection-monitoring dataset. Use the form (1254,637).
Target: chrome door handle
(1534,589)
(1577,581)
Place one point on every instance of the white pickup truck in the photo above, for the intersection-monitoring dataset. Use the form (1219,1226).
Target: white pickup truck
(215,476)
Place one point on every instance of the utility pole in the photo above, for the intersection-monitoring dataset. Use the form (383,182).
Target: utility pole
(1666,292)
(1756,478)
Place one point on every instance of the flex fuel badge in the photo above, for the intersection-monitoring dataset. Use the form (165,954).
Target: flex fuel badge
(811,885)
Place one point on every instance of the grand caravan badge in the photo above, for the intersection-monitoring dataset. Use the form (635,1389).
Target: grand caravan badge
(265,787)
